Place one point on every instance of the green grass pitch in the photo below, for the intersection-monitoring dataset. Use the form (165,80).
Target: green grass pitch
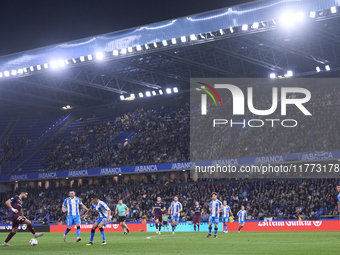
(180,243)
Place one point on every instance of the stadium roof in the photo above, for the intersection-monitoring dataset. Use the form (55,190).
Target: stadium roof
(258,39)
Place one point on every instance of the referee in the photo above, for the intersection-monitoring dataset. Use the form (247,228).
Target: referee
(121,211)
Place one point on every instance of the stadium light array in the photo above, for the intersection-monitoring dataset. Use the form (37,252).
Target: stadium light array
(328,68)
(82,58)
(202,36)
(138,48)
(132,96)
(244,27)
(6,73)
(123,51)
(168,91)
(147,46)
(61,63)
(231,30)
(160,92)
(155,44)
(46,66)
(318,69)
(165,43)
(14,72)
(32,68)
(122,97)
(67,62)
(130,49)
(255,25)
(140,94)
(39,67)
(183,39)
(193,37)
(272,76)
(89,57)
(115,53)
(154,93)
(74,60)
(333,9)
(175,90)
(54,64)
(173,40)
(148,94)
(221,31)
(100,55)
(287,19)
(300,16)
(290,73)
(312,14)
(25,70)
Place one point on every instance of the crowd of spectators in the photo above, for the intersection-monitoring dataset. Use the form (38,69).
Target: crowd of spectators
(281,199)
(160,136)
(11,150)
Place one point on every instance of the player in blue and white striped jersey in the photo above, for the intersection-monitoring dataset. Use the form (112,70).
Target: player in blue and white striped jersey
(225,216)
(175,210)
(71,206)
(242,216)
(104,217)
(215,208)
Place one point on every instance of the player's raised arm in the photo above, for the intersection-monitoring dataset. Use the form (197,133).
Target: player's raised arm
(8,203)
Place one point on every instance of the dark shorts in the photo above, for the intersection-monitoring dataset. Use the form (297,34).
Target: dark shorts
(165,223)
(16,220)
(196,220)
(121,219)
(159,218)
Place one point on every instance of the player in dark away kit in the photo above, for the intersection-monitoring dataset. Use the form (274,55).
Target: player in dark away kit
(197,210)
(158,210)
(17,217)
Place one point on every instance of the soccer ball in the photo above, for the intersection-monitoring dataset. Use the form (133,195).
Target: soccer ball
(33,242)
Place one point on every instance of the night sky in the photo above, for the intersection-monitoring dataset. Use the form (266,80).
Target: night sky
(35,23)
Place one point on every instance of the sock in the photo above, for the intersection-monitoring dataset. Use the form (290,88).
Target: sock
(66,231)
(195,227)
(173,228)
(126,227)
(31,229)
(123,227)
(93,231)
(78,231)
(156,226)
(225,227)
(102,233)
(9,237)
(198,226)
(216,231)
(210,230)
(160,227)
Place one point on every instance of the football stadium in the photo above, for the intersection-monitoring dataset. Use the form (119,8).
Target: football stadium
(212,133)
